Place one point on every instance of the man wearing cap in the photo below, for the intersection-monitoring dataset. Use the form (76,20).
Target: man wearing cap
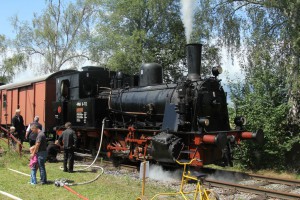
(18,123)
(31,136)
(68,138)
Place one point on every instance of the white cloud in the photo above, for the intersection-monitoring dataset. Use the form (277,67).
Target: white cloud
(24,75)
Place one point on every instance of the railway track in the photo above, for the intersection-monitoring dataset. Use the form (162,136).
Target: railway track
(258,189)
(293,183)
(259,184)
(262,192)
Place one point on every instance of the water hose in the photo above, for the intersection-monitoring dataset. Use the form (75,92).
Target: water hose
(18,172)
(87,182)
(100,145)
(74,192)
(9,195)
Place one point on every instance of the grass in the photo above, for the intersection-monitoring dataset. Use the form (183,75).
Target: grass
(108,187)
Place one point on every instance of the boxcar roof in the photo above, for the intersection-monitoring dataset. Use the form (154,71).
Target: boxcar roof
(34,80)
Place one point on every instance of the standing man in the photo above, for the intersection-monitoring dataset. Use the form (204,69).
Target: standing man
(68,138)
(32,136)
(18,123)
(41,151)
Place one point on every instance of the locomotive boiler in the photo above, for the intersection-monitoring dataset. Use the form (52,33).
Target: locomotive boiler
(147,119)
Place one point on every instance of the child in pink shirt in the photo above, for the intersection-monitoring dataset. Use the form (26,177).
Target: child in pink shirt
(33,164)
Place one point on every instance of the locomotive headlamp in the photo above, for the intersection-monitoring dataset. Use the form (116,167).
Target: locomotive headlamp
(240,121)
(203,121)
(217,70)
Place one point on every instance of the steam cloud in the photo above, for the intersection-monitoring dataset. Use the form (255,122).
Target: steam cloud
(187,17)
(156,172)
(227,177)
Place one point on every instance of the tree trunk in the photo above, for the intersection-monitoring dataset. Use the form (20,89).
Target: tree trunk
(294,96)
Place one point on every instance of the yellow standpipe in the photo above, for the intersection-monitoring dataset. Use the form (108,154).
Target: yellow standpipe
(143,197)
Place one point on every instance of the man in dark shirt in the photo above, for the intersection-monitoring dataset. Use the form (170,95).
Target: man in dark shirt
(52,150)
(41,151)
(18,122)
(68,138)
(31,136)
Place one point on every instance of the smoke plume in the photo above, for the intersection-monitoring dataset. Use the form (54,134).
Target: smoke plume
(156,172)
(187,12)
(226,177)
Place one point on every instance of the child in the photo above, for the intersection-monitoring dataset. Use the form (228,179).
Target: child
(15,134)
(33,166)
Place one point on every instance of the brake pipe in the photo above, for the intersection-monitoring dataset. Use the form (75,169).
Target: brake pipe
(10,195)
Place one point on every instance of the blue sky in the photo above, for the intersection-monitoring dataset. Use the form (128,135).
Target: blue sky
(23,8)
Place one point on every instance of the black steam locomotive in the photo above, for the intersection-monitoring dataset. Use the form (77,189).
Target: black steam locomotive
(148,119)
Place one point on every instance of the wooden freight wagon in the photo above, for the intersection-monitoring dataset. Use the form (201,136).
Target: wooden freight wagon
(32,97)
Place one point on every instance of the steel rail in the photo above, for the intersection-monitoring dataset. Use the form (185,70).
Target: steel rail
(245,175)
(275,180)
(251,189)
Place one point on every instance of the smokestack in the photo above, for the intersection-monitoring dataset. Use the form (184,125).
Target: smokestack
(194,61)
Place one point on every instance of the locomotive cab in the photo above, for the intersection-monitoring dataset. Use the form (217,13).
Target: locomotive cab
(81,98)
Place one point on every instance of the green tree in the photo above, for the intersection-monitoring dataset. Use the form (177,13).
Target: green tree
(9,64)
(269,31)
(248,22)
(262,98)
(59,35)
(131,32)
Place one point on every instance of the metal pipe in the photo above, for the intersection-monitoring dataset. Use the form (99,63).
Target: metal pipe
(194,61)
